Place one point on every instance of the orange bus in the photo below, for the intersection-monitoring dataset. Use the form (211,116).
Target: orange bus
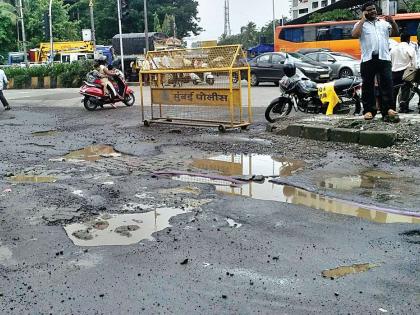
(333,35)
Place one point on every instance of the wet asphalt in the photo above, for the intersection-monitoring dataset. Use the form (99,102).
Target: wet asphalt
(271,263)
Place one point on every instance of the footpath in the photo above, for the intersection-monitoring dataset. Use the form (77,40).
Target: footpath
(351,129)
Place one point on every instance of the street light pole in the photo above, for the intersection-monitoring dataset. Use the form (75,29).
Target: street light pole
(23,34)
(274,23)
(92,24)
(120,30)
(51,34)
(146,31)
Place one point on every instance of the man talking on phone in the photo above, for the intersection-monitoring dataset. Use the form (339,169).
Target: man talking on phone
(374,36)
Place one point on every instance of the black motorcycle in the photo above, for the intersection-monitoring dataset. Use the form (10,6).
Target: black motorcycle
(301,94)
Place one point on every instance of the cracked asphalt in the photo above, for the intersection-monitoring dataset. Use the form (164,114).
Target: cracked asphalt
(271,261)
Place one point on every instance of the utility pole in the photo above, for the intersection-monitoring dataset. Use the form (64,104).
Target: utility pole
(51,34)
(120,30)
(274,23)
(227,31)
(146,27)
(92,24)
(25,52)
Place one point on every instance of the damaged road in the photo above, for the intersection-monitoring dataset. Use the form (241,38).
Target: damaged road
(88,226)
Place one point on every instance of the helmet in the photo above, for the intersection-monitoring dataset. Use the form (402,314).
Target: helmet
(289,69)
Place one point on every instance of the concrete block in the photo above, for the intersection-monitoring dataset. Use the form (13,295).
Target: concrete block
(295,130)
(381,139)
(314,132)
(34,82)
(344,135)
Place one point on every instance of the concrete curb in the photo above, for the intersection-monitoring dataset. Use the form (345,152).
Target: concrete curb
(381,139)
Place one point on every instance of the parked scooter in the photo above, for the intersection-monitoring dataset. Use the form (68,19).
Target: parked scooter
(207,77)
(94,95)
(301,94)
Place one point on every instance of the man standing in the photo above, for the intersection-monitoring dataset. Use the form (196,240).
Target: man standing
(403,56)
(3,84)
(376,61)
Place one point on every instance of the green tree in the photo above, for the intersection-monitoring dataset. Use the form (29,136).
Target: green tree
(412,5)
(8,20)
(156,23)
(334,15)
(63,28)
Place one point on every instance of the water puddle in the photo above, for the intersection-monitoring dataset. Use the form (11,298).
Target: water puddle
(367,179)
(33,179)
(93,153)
(233,224)
(242,164)
(5,253)
(239,165)
(347,270)
(44,133)
(121,229)
(181,190)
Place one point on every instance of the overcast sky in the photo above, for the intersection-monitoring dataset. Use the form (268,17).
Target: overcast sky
(211,13)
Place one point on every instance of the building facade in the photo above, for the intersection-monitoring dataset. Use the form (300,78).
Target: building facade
(300,8)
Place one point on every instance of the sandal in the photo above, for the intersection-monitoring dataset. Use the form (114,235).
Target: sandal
(368,116)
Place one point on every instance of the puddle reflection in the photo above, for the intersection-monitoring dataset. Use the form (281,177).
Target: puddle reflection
(93,153)
(121,229)
(33,179)
(265,165)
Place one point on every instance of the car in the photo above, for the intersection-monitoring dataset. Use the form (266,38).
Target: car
(341,64)
(268,67)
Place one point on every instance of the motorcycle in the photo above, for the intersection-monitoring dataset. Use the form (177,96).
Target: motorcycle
(301,94)
(94,94)
(207,77)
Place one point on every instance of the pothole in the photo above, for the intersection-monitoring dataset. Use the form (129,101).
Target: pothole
(93,153)
(33,179)
(245,165)
(347,270)
(121,229)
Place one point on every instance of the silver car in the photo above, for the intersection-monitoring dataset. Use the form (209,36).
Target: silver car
(341,64)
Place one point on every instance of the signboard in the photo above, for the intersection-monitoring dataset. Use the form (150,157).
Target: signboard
(87,35)
(208,97)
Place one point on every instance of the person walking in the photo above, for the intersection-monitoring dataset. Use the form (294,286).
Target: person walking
(376,61)
(3,85)
(403,56)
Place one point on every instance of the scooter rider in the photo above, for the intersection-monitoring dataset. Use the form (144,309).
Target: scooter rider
(104,74)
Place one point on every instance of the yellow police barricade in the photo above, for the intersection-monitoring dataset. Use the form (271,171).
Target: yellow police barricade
(197,87)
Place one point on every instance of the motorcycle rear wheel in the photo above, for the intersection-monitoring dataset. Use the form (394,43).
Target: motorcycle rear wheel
(276,111)
(88,104)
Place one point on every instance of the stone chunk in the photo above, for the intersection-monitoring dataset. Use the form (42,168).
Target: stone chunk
(295,130)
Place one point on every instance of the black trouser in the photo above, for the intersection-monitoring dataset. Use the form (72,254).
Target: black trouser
(405,89)
(381,69)
(3,99)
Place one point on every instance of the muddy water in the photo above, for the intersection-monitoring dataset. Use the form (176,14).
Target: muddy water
(92,153)
(121,229)
(33,179)
(347,270)
(265,165)
(241,164)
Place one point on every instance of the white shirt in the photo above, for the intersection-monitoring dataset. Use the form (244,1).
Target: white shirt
(417,49)
(374,38)
(403,56)
(3,79)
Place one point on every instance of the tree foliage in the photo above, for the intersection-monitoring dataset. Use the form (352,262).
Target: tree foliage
(106,22)
(333,15)
(8,20)
(63,28)
(412,5)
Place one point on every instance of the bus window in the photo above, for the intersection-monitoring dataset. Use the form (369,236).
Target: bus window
(323,33)
(81,57)
(341,31)
(292,34)
(309,34)
(409,27)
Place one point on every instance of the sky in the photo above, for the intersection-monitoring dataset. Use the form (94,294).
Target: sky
(260,12)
